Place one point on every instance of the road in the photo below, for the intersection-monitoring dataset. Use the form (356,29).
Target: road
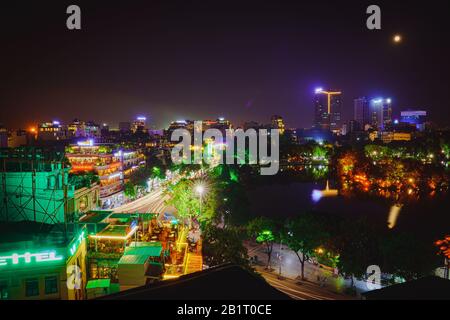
(303,291)
(154,202)
(325,283)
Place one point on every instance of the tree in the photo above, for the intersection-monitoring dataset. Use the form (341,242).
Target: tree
(358,247)
(140,177)
(303,235)
(84,179)
(187,202)
(408,257)
(223,245)
(263,230)
(130,190)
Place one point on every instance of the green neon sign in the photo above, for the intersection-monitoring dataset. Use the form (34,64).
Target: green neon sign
(77,242)
(28,258)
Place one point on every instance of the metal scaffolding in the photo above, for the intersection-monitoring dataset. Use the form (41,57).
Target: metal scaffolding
(19,198)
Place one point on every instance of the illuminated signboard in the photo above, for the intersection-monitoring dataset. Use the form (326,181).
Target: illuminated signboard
(86,143)
(28,258)
(76,243)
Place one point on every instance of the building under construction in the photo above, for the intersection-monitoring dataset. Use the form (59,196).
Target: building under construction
(35,187)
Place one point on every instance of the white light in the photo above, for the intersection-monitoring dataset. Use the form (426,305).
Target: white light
(200,189)
(88,143)
(318,90)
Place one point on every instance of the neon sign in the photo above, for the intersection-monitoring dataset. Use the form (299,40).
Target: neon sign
(27,258)
(77,242)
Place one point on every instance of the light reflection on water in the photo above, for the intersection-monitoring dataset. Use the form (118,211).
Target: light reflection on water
(393,215)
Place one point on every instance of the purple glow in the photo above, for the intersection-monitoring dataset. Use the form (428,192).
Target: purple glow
(140,118)
(316,195)
(318,90)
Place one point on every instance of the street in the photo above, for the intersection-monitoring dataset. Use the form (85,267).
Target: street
(154,202)
(303,291)
(320,282)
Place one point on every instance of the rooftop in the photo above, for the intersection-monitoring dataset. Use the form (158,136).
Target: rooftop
(228,282)
(148,251)
(427,288)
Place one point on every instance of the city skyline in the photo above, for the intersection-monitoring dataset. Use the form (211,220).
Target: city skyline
(161,61)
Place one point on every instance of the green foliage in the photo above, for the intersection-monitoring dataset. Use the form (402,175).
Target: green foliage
(264,231)
(260,225)
(157,172)
(407,257)
(83,180)
(303,235)
(187,202)
(130,190)
(140,176)
(358,247)
(223,245)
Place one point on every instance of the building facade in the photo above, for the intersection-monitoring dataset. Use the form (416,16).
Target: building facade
(112,164)
(361,111)
(381,113)
(37,266)
(327,113)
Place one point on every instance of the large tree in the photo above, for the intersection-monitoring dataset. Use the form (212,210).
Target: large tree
(223,245)
(187,202)
(407,256)
(303,235)
(358,247)
(264,231)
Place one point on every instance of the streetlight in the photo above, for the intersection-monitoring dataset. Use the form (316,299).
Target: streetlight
(200,190)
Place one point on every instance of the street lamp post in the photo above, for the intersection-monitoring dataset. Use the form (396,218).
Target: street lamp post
(200,189)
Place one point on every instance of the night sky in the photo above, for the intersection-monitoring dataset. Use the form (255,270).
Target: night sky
(204,59)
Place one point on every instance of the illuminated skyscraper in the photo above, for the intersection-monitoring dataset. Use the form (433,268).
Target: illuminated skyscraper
(139,124)
(361,111)
(381,113)
(327,113)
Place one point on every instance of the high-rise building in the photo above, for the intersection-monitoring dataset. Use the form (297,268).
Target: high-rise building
(139,124)
(52,131)
(278,123)
(81,129)
(327,113)
(381,113)
(361,111)
(104,131)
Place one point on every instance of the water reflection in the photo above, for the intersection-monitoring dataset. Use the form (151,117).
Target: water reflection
(316,195)
(393,215)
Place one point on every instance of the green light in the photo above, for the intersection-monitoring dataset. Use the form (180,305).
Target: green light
(77,242)
(27,258)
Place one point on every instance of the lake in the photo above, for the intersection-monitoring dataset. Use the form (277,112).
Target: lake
(428,218)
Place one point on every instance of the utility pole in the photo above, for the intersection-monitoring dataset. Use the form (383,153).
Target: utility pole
(5,195)
(33,188)
(66,207)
